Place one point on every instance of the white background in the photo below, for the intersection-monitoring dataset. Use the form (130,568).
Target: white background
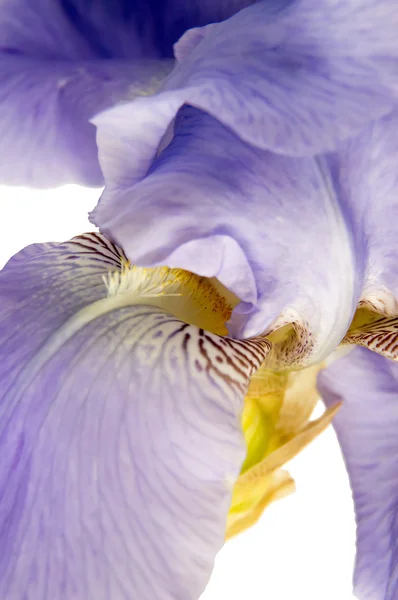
(304,545)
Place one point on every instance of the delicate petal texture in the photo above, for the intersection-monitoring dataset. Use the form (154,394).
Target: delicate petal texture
(120,437)
(367,428)
(366,177)
(55,75)
(366,169)
(62,61)
(46,138)
(291,76)
(268,227)
(52,280)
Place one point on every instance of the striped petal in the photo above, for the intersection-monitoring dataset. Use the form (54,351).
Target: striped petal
(120,433)
(367,430)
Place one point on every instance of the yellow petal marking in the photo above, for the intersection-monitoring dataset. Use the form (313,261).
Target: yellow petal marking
(193,299)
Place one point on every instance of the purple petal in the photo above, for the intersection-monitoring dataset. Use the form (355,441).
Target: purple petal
(367,430)
(120,435)
(61,62)
(367,173)
(46,138)
(293,77)
(268,227)
(119,29)
(366,177)
(55,280)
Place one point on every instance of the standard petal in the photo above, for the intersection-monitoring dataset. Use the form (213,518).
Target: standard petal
(268,227)
(366,173)
(366,168)
(120,438)
(367,430)
(294,77)
(61,62)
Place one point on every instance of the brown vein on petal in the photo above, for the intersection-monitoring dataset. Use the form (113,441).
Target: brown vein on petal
(238,365)
(292,343)
(375,324)
(96,244)
(381,336)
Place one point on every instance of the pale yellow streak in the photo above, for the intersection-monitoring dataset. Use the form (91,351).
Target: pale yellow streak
(287,451)
(189,297)
(279,485)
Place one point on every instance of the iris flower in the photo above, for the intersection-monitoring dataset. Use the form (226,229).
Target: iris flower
(157,375)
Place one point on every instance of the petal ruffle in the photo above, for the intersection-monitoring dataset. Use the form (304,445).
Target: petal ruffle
(61,62)
(294,77)
(367,430)
(120,435)
(268,227)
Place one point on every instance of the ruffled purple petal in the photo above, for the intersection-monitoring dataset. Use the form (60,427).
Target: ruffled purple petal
(268,227)
(120,435)
(294,77)
(367,427)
